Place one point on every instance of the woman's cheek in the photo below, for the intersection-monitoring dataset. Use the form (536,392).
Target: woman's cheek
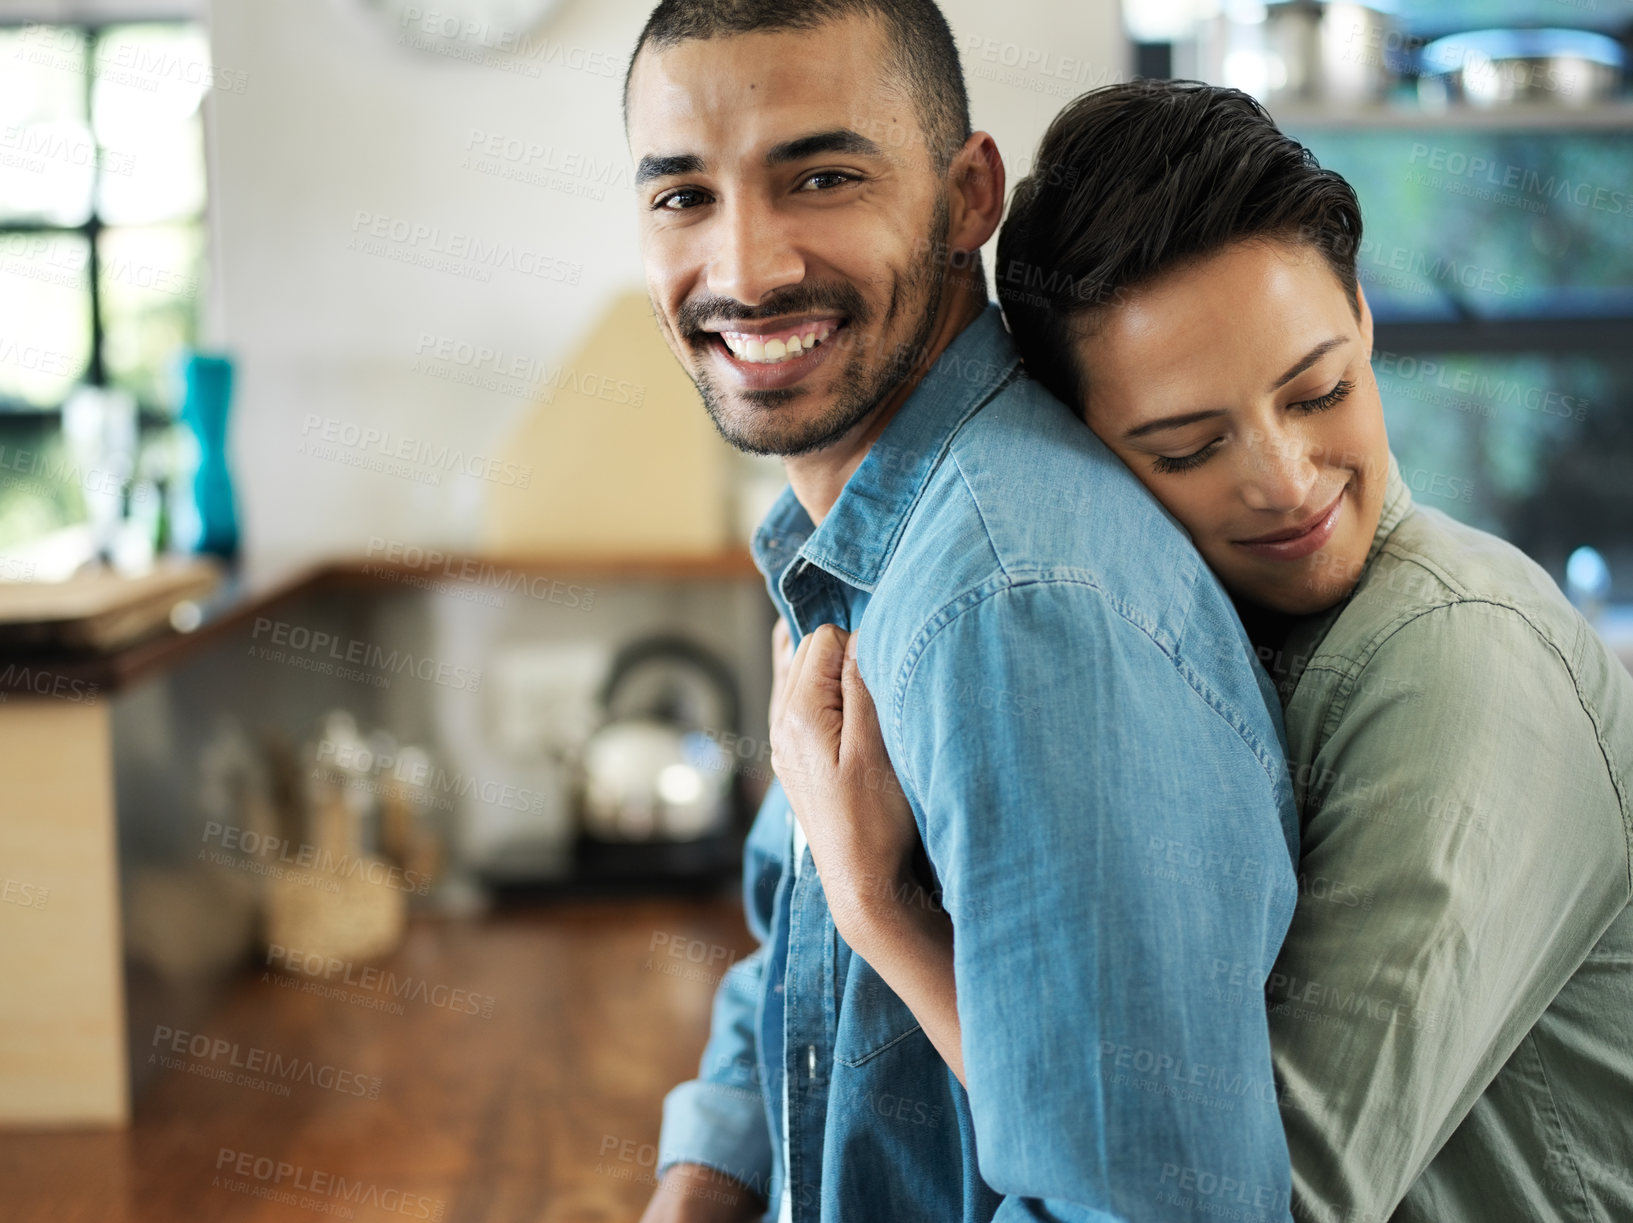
(1204,511)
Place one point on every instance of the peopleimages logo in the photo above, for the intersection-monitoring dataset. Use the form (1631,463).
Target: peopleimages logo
(273,854)
(350,651)
(433,563)
(229,1061)
(277,1180)
(524,374)
(329,437)
(40,682)
(1400,267)
(374,233)
(1454,165)
(337,972)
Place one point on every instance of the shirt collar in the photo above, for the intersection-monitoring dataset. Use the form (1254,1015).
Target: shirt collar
(1307,634)
(1397,505)
(861,531)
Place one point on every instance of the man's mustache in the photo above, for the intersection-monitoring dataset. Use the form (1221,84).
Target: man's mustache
(844,299)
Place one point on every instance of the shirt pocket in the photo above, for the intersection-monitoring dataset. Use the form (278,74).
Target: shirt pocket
(872,1019)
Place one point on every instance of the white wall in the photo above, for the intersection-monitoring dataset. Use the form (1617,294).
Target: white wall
(334,120)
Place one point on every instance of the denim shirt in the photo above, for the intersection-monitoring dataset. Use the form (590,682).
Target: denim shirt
(1096,766)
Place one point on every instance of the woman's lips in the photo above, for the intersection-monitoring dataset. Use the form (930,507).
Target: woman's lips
(1297,542)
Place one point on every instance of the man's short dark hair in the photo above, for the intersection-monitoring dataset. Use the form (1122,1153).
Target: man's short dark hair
(1137,179)
(923,55)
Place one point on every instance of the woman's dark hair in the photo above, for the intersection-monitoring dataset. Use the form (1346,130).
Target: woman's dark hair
(1134,180)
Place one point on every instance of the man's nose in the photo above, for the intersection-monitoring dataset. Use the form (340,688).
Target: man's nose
(756,254)
(1280,473)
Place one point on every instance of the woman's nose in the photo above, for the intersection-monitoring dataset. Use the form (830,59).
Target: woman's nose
(1279,473)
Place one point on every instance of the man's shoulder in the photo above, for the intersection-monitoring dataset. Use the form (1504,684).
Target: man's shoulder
(1026,493)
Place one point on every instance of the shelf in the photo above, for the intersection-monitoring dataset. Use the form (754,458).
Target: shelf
(242,598)
(1507,335)
(452,568)
(1604,116)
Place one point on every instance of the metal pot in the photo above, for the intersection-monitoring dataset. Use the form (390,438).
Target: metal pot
(1490,68)
(1303,53)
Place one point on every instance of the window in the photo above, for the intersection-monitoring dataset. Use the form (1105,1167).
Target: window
(1499,265)
(102,238)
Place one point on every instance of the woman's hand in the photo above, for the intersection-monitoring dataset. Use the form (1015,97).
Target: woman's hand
(782,662)
(831,760)
(830,757)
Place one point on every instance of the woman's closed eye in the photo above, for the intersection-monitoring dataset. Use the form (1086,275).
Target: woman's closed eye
(1331,399)
(1169,464)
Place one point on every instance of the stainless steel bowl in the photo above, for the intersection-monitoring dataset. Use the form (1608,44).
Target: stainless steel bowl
(1490,68)
(1304,53)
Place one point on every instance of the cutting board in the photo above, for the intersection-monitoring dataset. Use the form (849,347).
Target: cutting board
(100,609)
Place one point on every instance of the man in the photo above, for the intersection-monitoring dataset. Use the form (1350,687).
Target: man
(809,183)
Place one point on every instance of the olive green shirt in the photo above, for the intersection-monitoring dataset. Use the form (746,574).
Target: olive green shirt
(1452,1012)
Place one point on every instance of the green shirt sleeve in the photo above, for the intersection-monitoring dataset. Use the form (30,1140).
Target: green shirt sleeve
(1461,855)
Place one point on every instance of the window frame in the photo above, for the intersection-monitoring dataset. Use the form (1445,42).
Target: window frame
(91,229)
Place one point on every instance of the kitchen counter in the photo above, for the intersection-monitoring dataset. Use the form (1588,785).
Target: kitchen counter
(236,604)
(546,1110)
(109,759)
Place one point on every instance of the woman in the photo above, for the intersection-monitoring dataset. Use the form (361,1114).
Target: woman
(1452,1011)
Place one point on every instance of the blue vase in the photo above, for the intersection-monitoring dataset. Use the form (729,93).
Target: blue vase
(205,402)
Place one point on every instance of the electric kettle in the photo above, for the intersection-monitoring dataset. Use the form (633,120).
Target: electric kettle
(656,768)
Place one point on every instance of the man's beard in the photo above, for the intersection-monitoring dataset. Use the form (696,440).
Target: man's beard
(860,393)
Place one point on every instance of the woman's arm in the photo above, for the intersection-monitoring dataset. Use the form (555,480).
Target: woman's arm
(1463,852)
(830,757)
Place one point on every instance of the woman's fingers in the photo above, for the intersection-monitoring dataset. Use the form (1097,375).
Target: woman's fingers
(782,657)
(861,718)
(806,737)
(862,746)
(797,664)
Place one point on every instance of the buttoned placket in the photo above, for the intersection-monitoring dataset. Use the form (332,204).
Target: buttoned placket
(803,564)
(812,597)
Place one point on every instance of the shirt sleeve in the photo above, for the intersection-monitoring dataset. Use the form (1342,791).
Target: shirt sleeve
(1463,850)
(1110,849)
(719,1118)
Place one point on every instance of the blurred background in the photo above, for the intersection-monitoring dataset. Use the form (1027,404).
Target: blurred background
(382,670)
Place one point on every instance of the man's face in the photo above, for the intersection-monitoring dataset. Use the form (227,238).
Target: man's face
(792,225)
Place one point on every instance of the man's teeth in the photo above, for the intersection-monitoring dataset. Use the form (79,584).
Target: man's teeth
(758,351)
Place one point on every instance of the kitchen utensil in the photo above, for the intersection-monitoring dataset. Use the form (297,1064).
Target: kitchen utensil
(1488,68)
(99,609)
(1301,53)
(653,770)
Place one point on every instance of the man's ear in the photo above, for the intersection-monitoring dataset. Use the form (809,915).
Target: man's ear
(976,193)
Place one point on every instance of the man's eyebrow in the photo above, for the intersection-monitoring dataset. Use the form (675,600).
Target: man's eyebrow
(840,140)
(1171,422)
(1310,358)
(662,167)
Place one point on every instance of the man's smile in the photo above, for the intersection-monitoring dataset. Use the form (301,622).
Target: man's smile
(772,354)
(773,343)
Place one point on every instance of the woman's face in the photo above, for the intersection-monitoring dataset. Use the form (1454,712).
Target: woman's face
(1239,390)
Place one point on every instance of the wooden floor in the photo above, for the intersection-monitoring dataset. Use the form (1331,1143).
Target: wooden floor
(544,1113)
